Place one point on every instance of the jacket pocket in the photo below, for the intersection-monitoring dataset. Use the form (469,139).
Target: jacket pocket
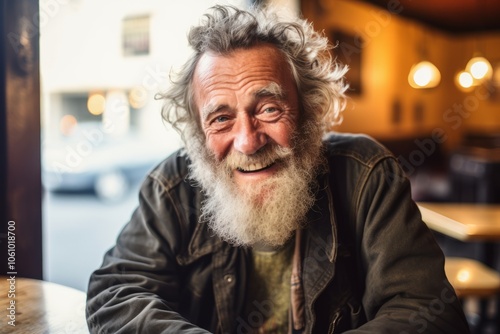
(349,316)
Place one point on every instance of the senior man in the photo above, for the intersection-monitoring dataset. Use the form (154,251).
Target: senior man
(262,224)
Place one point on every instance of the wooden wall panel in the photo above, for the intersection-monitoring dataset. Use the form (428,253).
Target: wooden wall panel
(20,139)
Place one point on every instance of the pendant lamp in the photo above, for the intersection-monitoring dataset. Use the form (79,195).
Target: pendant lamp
(479,67)
(424,74)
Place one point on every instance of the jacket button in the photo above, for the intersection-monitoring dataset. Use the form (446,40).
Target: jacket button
(229,278)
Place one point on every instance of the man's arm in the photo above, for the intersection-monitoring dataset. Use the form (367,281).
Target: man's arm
(137,289)
(406,290)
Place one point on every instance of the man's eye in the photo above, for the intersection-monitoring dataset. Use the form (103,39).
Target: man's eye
(220,119)
(270,110)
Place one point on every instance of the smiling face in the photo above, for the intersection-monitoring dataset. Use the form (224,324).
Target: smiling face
(247,102)
(254,161)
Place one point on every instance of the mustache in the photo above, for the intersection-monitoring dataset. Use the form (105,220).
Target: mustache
(266,156)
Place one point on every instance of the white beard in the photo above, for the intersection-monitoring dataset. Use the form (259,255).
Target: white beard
(267,212)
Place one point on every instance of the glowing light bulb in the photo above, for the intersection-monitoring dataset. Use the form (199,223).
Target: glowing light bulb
(424,75)
(480,68)
(465,79)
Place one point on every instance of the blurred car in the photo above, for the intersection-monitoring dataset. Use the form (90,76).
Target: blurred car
(91,160)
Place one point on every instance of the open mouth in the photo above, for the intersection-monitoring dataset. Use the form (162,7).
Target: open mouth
(253,168)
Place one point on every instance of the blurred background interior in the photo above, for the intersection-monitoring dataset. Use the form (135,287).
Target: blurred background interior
(425,82)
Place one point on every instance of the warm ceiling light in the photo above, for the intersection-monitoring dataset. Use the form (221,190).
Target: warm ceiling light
(465,79)
(424,75)
(480,68)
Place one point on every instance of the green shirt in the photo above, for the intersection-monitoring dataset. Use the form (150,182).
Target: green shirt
(268,296)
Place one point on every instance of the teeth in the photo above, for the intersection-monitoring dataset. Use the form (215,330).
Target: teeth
(253,167)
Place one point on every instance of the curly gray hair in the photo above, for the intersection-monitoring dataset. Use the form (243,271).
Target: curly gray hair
(318,77)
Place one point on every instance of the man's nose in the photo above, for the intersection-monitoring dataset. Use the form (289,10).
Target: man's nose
(248,137)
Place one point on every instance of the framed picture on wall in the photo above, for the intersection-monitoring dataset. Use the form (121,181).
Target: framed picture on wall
(348,50)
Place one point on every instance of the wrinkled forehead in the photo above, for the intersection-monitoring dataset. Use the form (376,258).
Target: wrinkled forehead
(242,69)
(265,57)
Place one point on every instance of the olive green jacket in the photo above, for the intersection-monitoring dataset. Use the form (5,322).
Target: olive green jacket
(369,263)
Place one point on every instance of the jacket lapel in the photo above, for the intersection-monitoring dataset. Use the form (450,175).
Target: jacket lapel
(321,248)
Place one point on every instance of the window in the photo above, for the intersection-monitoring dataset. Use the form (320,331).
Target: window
(136,36)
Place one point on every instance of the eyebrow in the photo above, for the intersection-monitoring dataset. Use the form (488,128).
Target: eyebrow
(271,90)
(211,108)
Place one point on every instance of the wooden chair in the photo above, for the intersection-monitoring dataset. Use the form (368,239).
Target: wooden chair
(471,278)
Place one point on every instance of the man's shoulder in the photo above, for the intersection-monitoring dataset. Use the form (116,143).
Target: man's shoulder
(359,147)
(172,171)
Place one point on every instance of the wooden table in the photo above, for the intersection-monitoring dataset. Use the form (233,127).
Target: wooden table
(468,222)
(40,307)
(465,222)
